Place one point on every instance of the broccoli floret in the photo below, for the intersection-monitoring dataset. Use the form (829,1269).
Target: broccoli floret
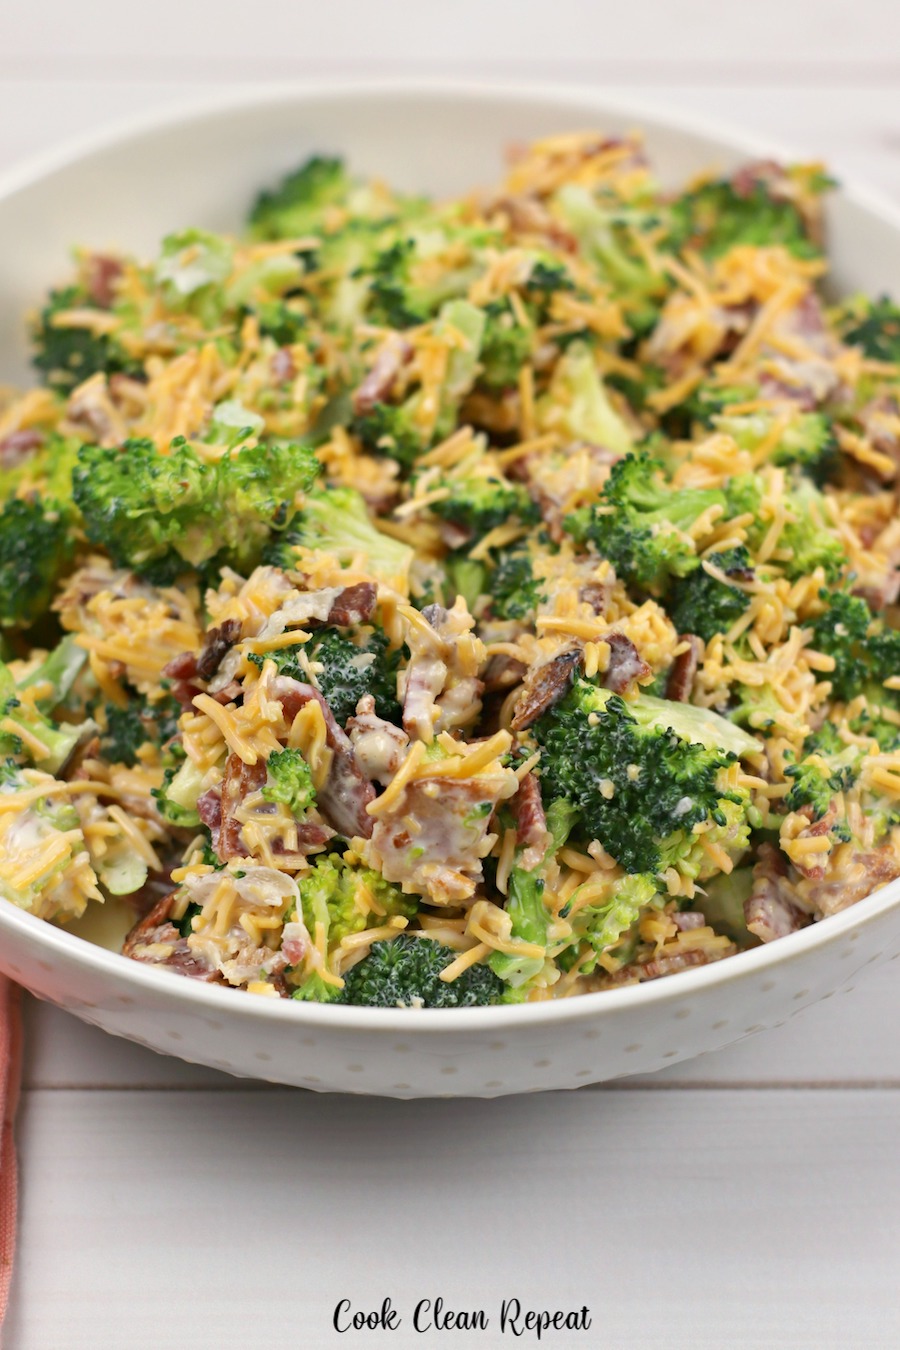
(723,903)
(465,577)
(336,520)
(176,799)
(405,972)
(515,591)
(811,785)
(865,651)
(807,443)
(578,406)
(391,429)
(703,604)
(641,777)
(755,706)
(66,356)
(390,300)
(46,469)
(347,899)
(525,904)
(191,271)
(346,665)
(289,781)
(505,348)
(36,549)
(479,504)
(604,925)
(160,513)
(27,732)
(716,217)
(280,322)
(874,325)
(806,533)
(605,233)
(128,729)
(640,522)
(296,206)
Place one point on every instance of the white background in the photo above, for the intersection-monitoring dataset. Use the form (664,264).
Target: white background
(751,1198)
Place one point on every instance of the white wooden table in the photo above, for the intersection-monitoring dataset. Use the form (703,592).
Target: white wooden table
(751,1198)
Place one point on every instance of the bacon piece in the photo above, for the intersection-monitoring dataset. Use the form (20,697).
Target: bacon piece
(771,910)
(355,604)
(216,643)
(626,665)
(532,834)
(670,965)
(102,276)
(686,919)
(684,668)
(239,782)
(438,694)
(156,941)
(182,671)
(390,358)
(596,594)
(545,685)
(867,872)
(347,791)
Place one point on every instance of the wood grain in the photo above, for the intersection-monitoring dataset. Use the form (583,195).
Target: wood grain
(195,1220)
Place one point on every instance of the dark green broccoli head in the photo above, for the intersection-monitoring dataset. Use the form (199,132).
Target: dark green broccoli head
(515,591)
(281,322)
(66,356)
(716,217)
(391,429)
(807,534)
(127,729)
(640,523)
(36,549)
(865,651)
(703,604)
(639,787)
(296,206)
(406,972)
(480,504)
(390,300)
(811,786)
(505,347)
(159,514)
(874,325)
(347,664)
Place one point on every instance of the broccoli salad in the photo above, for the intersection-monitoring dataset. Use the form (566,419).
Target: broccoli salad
(415,604)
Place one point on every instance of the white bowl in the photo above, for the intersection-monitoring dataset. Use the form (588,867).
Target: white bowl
(202,168)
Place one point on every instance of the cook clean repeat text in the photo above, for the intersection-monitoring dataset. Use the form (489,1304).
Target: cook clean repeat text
(435,1315)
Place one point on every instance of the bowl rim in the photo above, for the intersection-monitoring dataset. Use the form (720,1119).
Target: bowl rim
(199,995)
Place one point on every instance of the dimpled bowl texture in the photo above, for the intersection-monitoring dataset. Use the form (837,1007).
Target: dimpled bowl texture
(129,188)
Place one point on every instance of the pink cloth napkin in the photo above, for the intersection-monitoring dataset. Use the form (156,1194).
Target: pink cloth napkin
(10,1060)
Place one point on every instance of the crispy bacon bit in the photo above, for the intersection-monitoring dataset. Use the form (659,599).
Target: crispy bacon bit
(686,919)
(156,941)
(101,278)
(528,215)
(532,834)
(545,685)
(626,665)
(867,872)
(347,791)
(209,809)
(390,358)
(216,643)
(239,782)
(18,445)
(669,965)
(596,594)
(355,604)
(684,668)
(182,671)
(771,909)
